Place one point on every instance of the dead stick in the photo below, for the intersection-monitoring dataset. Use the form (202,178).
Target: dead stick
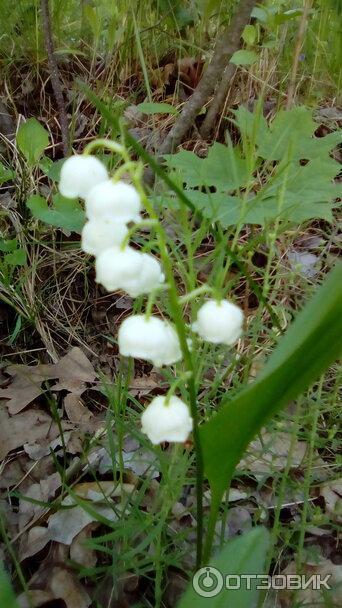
(226,45)
(218,101)
(54,74)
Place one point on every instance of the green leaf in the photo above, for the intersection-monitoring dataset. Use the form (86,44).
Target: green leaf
(7,245)
(32,139)
(16,258)
(309,346)
(253,126)
(65,213)
(260,13)
(241,556)
(294,190)
(287,15)
(288,131)
(223,168)
(249,34)
(244,57)
(7,597)
(55,170)
(156,108)
(45,164)
(5,174)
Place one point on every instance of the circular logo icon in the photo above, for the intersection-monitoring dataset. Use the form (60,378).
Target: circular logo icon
(207,582)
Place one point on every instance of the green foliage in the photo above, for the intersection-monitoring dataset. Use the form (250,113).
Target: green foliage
(281,171)
(156,108)
(244,57)
(5,174)
(15,256)
(303,353)
(65,213)
(241,556)
(249,34)
(32,139)
(7,597)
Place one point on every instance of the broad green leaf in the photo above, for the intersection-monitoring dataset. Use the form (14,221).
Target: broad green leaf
(45,164)
(253,126)
(223,168)
(244,555)
(309,346)
(8,245)
(249,34)
(5,174)
(156,108)
(7,597)
(293,190)
(287,15)
(65,213)
(287,132)
(16,258)
(32,139)
(260,13)
(244,57)
(55,170)
(189,165)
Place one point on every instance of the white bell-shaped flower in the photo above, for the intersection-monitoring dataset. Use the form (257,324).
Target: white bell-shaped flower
(127,269)
(167,420)
(151,276)
(150,339)
(79,174)
(97,236)
(113,201)
(219,322)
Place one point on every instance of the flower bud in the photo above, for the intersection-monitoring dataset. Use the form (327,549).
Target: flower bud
(98,236)
(127,269)
(79,174)
(167,420)
(150,339)
(113,201)
(219,322)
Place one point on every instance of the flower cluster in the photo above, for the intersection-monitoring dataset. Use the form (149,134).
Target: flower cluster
(110,207)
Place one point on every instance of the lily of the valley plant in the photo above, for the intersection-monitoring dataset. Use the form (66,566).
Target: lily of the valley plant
(115,210)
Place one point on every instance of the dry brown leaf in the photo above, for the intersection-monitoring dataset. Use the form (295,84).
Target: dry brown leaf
(72,371)
(26,428)
(314,597)
(66,524)
(75,410)
(271,452)
(332,494)
(65,586)
(37,598)
(42,491)
(60,584)
(33,542)
(80,552)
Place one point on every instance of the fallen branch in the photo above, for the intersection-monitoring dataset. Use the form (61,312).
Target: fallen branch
(226,46)
(218,101)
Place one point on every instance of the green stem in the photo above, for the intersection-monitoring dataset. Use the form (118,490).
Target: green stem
(177,316)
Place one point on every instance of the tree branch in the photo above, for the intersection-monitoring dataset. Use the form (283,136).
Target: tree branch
(218,101)
(226,45)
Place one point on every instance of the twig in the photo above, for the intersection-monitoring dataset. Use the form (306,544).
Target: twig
(218,101)
(54,74)
(299,43)
(226,45)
